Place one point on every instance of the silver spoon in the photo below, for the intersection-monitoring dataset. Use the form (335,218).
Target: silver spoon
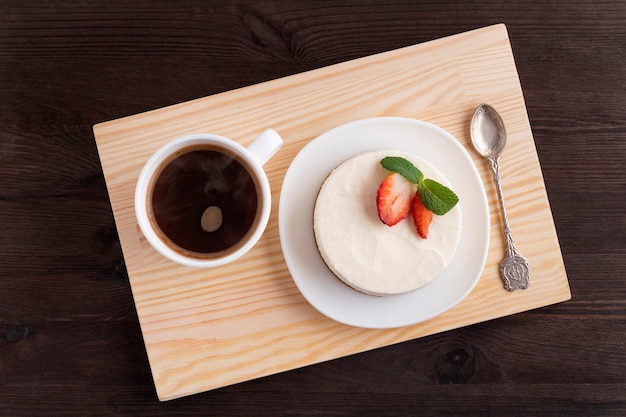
(489,137)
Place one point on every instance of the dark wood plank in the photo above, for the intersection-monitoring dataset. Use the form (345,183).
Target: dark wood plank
(70,342)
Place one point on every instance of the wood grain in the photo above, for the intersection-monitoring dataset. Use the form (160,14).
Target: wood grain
(204,329)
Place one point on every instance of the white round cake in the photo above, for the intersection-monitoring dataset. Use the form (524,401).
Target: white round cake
(360,249)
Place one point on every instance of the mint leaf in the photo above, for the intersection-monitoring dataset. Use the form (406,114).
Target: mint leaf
(436,197)
(402,167)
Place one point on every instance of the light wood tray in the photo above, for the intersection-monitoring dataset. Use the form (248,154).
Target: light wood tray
(205,329)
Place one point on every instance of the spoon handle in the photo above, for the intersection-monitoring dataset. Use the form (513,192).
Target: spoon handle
(494,164)
(514,268)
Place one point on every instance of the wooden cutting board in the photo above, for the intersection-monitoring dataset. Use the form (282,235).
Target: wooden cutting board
(205,329)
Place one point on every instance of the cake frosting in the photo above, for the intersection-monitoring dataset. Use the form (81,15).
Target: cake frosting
(365,253)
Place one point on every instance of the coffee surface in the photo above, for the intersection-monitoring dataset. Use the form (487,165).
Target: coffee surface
(196,180)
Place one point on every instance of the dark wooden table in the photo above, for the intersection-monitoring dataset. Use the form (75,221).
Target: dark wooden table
(70,342)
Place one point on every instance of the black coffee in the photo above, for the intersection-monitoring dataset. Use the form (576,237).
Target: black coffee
(207,181)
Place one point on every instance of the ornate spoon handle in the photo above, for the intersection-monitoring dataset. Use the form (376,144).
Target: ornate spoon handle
(514,268)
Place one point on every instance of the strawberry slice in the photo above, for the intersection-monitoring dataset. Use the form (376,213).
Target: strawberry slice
(421,216)
(393,199)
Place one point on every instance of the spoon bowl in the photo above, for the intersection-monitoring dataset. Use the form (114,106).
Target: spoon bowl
(489,138)
(488,131)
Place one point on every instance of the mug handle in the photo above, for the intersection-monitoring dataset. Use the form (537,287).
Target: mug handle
(265,146)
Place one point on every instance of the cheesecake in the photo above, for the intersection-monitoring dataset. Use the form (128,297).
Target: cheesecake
(360,249)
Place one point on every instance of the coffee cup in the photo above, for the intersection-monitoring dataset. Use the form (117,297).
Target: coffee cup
(204,200)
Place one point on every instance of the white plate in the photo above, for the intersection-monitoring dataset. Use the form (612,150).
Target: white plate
(302,183)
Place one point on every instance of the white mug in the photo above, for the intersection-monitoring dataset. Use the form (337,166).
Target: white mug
(203,237)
